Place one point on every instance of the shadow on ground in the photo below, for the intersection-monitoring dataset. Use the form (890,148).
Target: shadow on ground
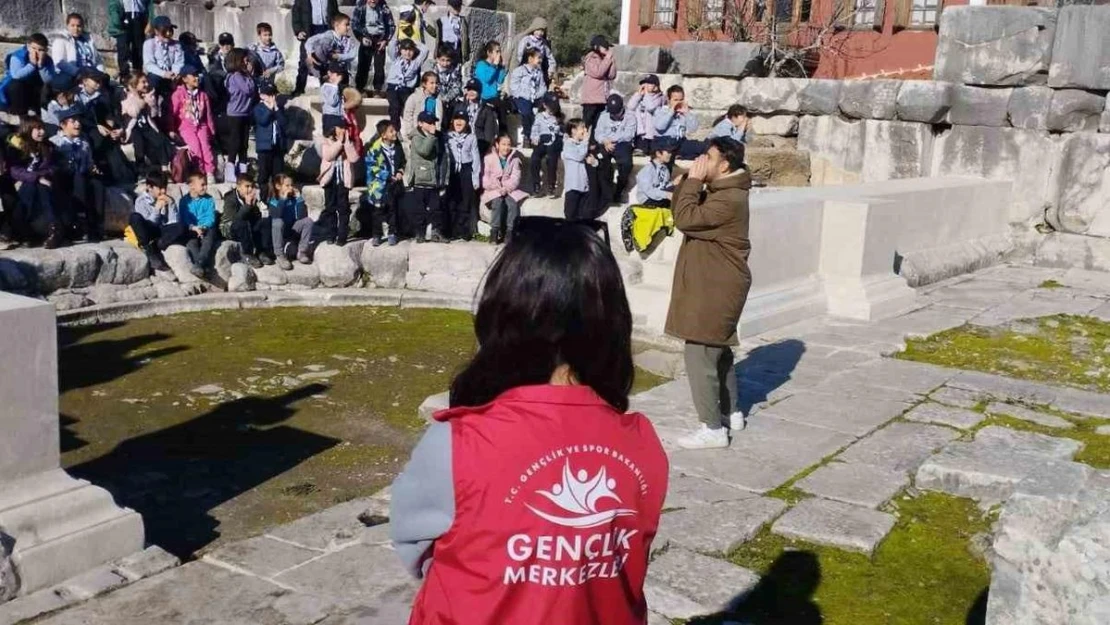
(174,477)
(977,615)
(765,369)
(784,596)
(95,362)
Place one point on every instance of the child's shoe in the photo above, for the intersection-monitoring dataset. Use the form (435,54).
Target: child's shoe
(375,241)
(284,263)
(304,259)
(252,260)
(392,240)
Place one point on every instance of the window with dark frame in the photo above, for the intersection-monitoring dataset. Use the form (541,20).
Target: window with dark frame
(665,13)
(924,12)
(713,13)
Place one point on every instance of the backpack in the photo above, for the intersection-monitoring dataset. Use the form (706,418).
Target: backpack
(644,227)
(183,164)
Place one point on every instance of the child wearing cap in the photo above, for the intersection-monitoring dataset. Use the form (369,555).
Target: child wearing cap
(454,30)
(547,141)
(78,179)
(373,27)
(61,90)
(241,96)
(267,58)
(642,105)
(615,134)
(576,178)
(600,69)
(654,183)
(163,57)
(335,45)
(338,155)
(464,180)
(191,49)
(527,88)
(269,135)
(481,115)
(449,76)
(385,187)
(405,60)
(425,177)
(193,119)
(734,124)
(424,100)
(331,93)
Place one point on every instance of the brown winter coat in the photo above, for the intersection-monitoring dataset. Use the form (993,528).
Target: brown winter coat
(711,275)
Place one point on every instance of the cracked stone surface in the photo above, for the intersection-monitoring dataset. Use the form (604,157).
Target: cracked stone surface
(929,412)
(1032,416)
(834,523)
(717,528)
(856,483)
(683,584)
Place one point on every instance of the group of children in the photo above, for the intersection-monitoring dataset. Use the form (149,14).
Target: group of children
(443,153)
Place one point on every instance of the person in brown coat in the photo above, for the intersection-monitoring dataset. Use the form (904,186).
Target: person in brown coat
(711,282)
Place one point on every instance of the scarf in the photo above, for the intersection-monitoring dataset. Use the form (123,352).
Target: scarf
(192,105)
(84,52)
(457,141)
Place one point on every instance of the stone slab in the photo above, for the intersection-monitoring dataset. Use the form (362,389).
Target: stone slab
(208,594)
(960,418)
(1032,416)
(904,375)
(1082,403)
(717,58)
(331,529)
(1075,110)
(23,17)
(682,584)
(870,99)
(771,96)
(835,147)
(1075,61)
(717,528)
(896,149)
(684,491)
(361,575)
(778,125)
(855,416)
(820,97)
(1029,106)
(1081,185)
(1003,388)
(30,416)
(978,106)
(433,404)
(859,484)
(644,59)
(981,45)
(1051,447)
(762,457)
(925,101)
(834,523)
(899,446)
(262,555)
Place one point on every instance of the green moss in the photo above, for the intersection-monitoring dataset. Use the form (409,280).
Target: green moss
(1050,284)
(923,573)
(646,380)
(1061,349)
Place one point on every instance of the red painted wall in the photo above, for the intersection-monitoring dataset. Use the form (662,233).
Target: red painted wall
(853,52)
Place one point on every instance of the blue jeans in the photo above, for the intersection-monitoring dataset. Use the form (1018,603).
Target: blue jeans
(527,112)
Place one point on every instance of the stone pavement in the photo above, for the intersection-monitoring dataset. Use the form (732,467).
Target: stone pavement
(830,417)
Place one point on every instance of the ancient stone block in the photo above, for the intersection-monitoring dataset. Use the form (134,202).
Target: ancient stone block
(717,58)
(386,265)
(981,45)
(996,153)
(835,149)
(896,150)
(1104,121)
(195,18)
(870,99)
(1028,107)
(771,95)
(717,528)
(716,94)
(929,412)
(1033,416)
(242,278)
(1080,57)
(490,25)
(899,446)
(820,97)
(855,483)
(779,125)
(977,106)
(643,59)
(1074,110)
(23,17)
(336,265)
(924,101)
(1082,185)
(834,523)
(682,584)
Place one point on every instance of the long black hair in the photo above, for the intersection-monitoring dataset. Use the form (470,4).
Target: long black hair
(554,296)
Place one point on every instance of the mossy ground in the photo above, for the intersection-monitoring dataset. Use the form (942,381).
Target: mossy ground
(318,406)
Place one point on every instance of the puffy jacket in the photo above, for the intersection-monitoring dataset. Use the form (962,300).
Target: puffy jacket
(335,154)
(16,67)
(498,181)
(429,162)
(413,107)
(537,508)
(63,51)
(600,73)
(379,170)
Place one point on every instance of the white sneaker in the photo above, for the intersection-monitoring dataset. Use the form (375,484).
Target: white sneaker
(737,421)
(705,438)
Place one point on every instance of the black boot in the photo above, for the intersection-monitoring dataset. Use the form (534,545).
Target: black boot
(154,255)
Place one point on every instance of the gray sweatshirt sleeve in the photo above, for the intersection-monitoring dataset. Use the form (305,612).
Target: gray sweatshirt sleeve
(422,507)
(645,184)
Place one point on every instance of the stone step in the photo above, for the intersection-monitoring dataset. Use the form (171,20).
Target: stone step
(834,523)
(682,584)
(717,527)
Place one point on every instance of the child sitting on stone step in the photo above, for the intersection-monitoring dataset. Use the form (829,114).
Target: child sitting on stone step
(155,220)
(241,221)
(547,145)
(654,183)
(642,105)
(198,213)
(290,225)
(734,124)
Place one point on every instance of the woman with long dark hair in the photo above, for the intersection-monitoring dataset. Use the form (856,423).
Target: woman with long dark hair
(535,498)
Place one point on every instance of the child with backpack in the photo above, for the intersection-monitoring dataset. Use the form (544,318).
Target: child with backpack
(241,96)
(464,180)
(269,135)
(385,187)
(576,179)
(547,142)
(194,120)
(289,222)
(338,155)
(424,179)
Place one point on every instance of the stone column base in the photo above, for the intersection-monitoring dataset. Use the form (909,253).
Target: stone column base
(63,526)
(869,298)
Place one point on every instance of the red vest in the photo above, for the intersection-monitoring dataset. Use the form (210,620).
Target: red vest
(557,500)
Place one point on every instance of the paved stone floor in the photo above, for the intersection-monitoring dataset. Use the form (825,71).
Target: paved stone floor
(821,395)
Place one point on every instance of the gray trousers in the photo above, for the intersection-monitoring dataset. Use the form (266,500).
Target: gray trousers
(504,213)
(712,383)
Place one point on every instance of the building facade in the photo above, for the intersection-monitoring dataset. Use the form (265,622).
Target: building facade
(842,38)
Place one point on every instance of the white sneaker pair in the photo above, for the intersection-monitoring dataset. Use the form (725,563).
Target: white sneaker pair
(705,438)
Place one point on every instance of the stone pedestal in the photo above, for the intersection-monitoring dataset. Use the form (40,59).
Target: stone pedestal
(58,526)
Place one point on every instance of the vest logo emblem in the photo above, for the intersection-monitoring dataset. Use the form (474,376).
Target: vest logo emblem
(578,496)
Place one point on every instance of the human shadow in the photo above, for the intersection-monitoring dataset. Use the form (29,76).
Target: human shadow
(765,369)
(68,440)
(176,476)
(84,364)
(783,596)
(977,614)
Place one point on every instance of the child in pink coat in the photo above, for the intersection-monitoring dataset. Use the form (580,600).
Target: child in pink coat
(501,191)
(192,118)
